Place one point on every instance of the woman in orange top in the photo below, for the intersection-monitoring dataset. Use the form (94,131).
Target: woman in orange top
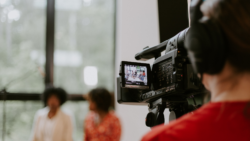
(101,124)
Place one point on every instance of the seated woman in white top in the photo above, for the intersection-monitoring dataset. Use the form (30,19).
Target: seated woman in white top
(51,123)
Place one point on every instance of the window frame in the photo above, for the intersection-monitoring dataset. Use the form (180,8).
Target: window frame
(49,57)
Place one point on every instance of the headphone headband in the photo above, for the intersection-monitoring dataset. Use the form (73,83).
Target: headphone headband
(205,42)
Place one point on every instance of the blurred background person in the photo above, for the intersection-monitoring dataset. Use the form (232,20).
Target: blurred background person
(51,123)
(101,124)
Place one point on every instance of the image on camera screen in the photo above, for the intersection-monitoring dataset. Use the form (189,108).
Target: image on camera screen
(135,75)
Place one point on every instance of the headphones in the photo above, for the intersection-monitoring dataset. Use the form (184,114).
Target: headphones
(205,42)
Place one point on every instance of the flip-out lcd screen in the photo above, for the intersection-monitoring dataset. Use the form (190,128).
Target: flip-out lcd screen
(135,75)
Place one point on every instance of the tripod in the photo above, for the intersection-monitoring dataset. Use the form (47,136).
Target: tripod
(178,106)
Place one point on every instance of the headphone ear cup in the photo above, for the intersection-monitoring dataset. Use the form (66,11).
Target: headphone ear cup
(206,47)
(195,44)
(218,54)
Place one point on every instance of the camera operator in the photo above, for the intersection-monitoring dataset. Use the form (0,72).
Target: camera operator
(227,116)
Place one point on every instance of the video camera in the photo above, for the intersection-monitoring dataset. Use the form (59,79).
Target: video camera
(169,83)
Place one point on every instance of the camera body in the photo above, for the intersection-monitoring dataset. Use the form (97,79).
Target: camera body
(170,81)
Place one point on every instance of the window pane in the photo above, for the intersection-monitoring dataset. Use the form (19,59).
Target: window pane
(19,119)
(20,116)
(84,50)
(22,32)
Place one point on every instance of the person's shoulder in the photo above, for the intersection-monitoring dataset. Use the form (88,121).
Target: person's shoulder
(66,114)
(113,119)
(184,128)
(42,112)
(89,116)
(113,116)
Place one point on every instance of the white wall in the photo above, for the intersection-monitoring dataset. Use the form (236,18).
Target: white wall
(137,27)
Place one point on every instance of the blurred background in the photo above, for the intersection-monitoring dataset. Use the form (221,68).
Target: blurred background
(83,57)
(76,45)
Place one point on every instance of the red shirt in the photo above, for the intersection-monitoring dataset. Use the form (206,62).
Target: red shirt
(108,130)
(222,121)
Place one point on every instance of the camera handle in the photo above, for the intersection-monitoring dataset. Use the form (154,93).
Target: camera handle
(151,52)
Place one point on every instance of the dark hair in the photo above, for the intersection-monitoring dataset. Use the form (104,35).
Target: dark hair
(60,93)
(233,16)
(102,98)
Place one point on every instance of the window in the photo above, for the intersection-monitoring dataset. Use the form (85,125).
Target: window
(83,58)
(84,44)
(22,32)
(18,119)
